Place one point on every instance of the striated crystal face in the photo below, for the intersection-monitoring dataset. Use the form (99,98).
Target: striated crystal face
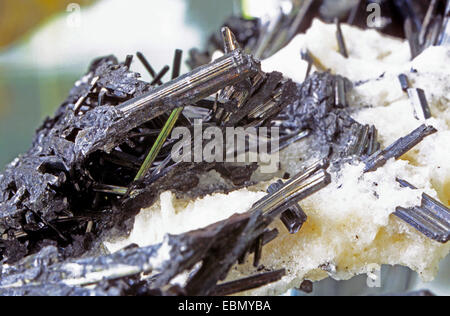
(350,226)
(363,135)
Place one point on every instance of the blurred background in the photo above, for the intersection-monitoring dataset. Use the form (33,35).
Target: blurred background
(46,45)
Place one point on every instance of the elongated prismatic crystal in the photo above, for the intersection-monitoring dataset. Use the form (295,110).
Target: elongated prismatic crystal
(431,218)
(248,283)
(404,82)
(398,148)
(199,83)
(420,104)
(340,39)
(184,90)
(294,217)
(168,126)
(299,187)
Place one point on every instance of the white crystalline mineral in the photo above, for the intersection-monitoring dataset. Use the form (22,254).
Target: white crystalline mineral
(350,227)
